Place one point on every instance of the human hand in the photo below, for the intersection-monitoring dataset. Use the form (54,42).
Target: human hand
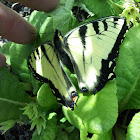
(14,28)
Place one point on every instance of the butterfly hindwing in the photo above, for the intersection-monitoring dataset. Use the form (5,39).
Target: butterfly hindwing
(92,48)
(45,65)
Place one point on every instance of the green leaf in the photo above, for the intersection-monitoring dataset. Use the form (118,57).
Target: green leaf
(5,50)
(106,136)
(67,133)
(46,98)
(44,25)
(51,115)
(30,110)
(128,71)
(137,0)
(40,122)
(64,22)
(133,130)
(49,133)
(6,125)
(19,54)
(97,113)
(36,116)
(102,8)
(83,133)
(63,120)
(73,118)
(12,96)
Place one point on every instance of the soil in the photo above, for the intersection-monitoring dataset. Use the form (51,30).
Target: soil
(18,132)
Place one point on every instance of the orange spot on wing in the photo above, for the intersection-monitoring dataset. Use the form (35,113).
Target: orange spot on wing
(75,99)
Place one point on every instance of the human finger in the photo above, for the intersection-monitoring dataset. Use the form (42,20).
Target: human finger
(14,28)
(41,5)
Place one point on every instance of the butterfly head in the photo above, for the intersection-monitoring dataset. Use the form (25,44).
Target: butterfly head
(58,40)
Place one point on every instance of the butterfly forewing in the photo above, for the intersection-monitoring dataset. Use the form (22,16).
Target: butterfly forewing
(46,67)
(92,48)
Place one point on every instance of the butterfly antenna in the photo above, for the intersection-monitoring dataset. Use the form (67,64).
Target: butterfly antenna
(65,22)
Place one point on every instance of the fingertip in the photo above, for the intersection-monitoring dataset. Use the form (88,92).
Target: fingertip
(2,60)
(14,28)
(24,33)
(32,36)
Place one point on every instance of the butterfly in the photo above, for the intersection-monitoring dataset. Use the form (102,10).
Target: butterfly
(91,49)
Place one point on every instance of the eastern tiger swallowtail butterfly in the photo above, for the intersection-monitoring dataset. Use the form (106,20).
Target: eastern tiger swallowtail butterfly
(92,49)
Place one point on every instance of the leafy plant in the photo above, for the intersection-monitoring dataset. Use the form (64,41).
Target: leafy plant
(106,115)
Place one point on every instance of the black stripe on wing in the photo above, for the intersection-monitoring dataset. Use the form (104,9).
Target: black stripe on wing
(82,33)
(106,70)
